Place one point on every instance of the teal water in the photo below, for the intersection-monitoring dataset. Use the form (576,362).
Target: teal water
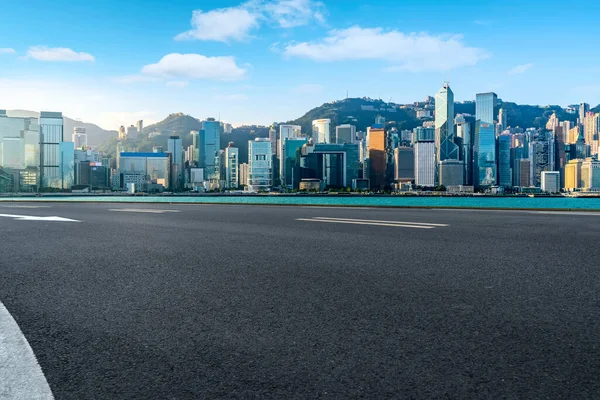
(375,201)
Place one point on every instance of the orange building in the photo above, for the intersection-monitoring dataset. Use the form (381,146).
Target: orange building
(377,157)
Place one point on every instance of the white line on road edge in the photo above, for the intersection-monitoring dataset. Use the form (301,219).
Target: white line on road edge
(595,214)
(143,210)
(385,222)
(37,218)
(365,223)
(21,376)
(25,206)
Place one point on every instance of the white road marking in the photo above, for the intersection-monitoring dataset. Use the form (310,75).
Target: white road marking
(365,223)
(580,213)
(143,210)
(37,218)
(338,208)
(21,376)
(25,206)
(384,222)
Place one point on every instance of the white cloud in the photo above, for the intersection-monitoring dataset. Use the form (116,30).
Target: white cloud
(236,23)
(177,84)
(139,78)
(520,69)
(408,52)
(221,25)
(7,50)
(230,97)
(43,53)
(195,66)
(292,13)
(309,88)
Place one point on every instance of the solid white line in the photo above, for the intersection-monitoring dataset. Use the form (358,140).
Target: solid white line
(25,206)
(364,223)
(143,210)
(21,376)
(385,222)
(595,214)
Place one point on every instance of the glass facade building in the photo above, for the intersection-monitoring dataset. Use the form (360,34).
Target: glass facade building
(210,143)
(446,148)
(485,107)
(66,165)
(175,148)
(345,134)
(291,162)
(337,164)
(321,130)
(51,135)
(504,164)
(145,168)
(484,155)
(260,170)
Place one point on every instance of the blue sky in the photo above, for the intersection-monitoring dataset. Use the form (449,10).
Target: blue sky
(113,62)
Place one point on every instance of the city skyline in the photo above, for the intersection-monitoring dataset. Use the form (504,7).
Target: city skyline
(247,60)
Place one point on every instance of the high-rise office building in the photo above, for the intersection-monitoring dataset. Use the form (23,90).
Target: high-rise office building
(524,173)
(285,132)
(122,133)
(210,143)
(584,108)
(484,155)
(566,127)
(464,135)
(345,134)
(139,125)
(66,169)
(553,122)
(232,158)
(273,139)
(175,148)
(504,170)
(404,164)
(244,174)
(485,107)
(79,137)
(484,146)
(590,127)
(590,174)
(321,130)
(376,156)
(334,165)
(51,135)
(195,159)
(550,181)
(451,173)
(260,159)
(445,147)
(573,174)
(290,178)
(425,164)
(541,154)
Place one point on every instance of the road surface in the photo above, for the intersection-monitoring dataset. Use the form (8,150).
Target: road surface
(139,301)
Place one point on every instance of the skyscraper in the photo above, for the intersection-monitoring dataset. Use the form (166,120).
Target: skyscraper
(285,132)
(485,107)
(79,137)
(210,143)
(273,139)
(484,147)
(51,135)
(503,118)
(464,134)
(195,148)
(425,164)
(260,158)
(345,134)
(584,108)
(232,166)
(140,125)
(541,154)
(504,170)
(175,147)
(377,156)
(445,147)
(321,130)
(404,164)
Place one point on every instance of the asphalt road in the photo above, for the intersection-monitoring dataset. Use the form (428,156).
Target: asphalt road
(208,301)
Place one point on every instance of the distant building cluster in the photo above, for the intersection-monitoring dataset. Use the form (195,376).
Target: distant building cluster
(460,153)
